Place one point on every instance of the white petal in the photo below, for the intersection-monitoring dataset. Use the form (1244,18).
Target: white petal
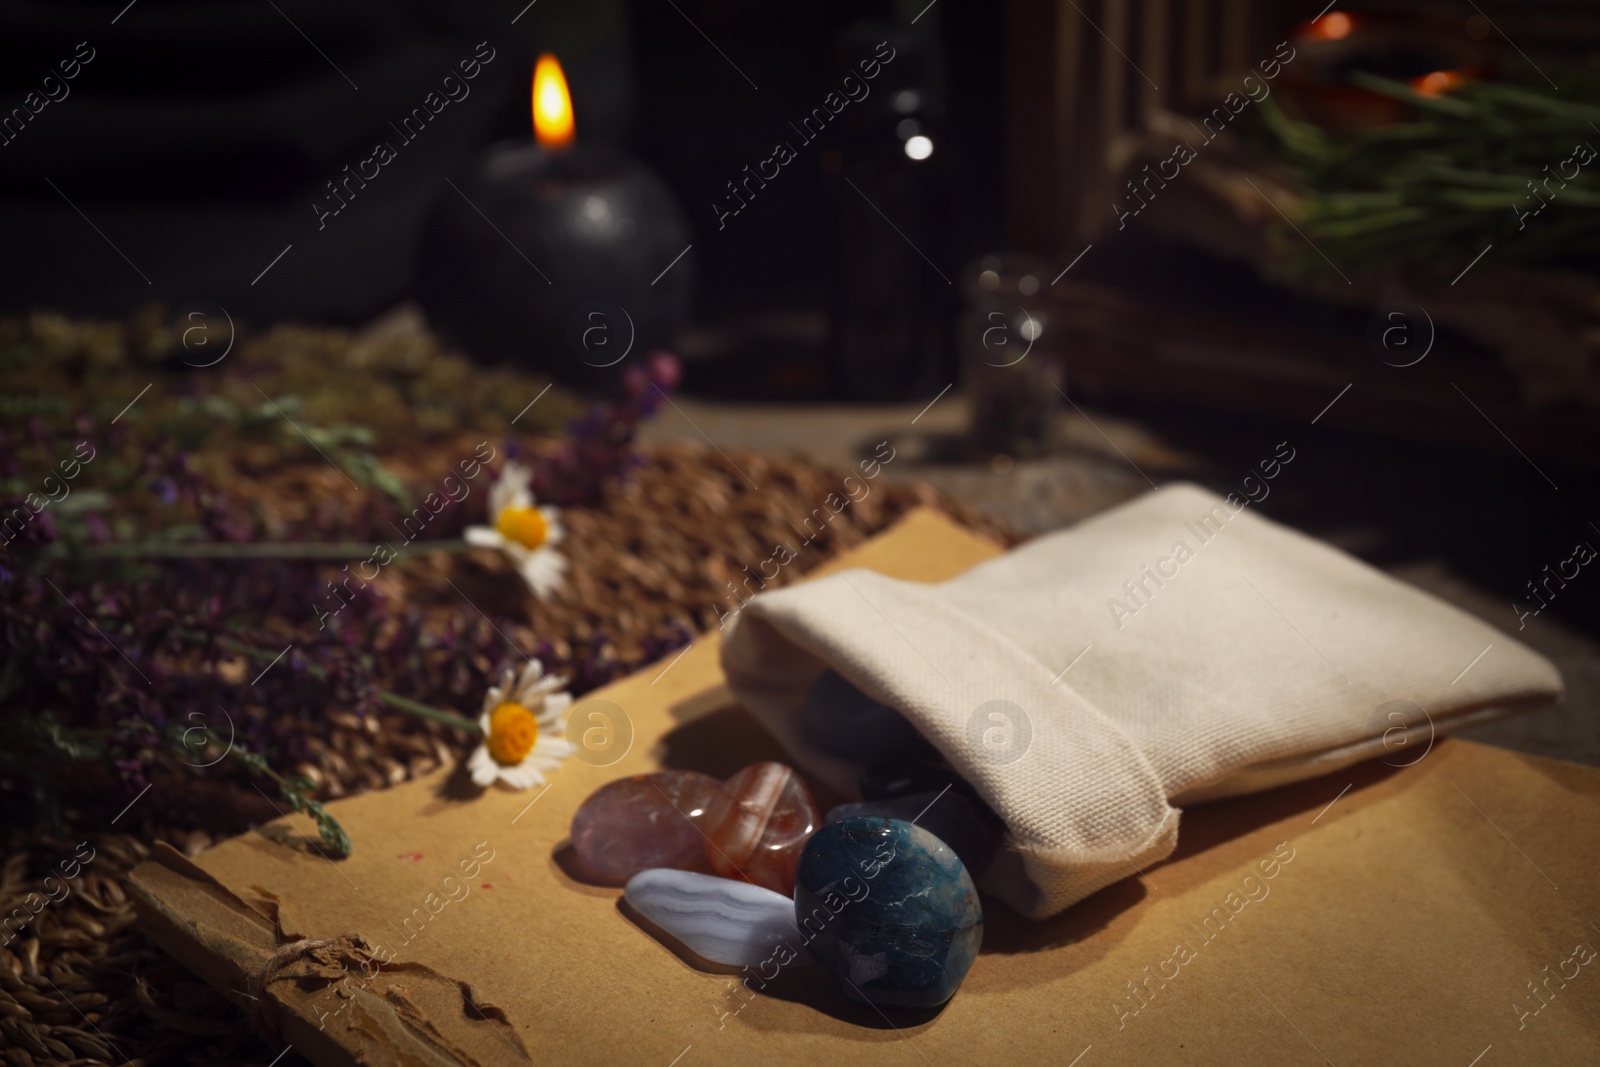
(518,475)
(510,490)
(523,776)
(482,766)
(552,748)
(483,537)
(554,531)
(543,571)
(529,683)
(497,695)
(555,708)
(540,690)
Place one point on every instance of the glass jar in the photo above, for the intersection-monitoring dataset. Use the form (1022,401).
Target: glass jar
(1010,363)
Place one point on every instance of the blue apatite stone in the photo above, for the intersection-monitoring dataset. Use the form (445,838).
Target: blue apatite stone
(889,910)
(947,815)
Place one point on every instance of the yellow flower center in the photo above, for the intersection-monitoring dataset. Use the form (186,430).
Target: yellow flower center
(512,733)
(525,526)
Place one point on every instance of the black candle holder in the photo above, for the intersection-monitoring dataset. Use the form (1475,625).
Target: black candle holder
(566,261)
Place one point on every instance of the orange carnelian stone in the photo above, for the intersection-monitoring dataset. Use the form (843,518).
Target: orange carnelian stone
(757,823)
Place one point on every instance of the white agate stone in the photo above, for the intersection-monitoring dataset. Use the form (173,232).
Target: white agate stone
(723,920)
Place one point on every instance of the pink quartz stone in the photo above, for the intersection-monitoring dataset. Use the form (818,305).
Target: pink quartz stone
(757,823)
(649,820)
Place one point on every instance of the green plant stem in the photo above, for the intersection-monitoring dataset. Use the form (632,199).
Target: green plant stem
(449,718)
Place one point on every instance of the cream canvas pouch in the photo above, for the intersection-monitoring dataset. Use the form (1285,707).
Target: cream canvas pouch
(1176,649)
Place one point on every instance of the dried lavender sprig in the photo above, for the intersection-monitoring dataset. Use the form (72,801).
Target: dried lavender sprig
(394,700)
(296,792)
(334,550)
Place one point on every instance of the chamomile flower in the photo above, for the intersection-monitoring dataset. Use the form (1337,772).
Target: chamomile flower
(525,533)
(523,720)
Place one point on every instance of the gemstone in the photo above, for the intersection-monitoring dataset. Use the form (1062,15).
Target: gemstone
(722,920)
(947,815)
(649,820)
(889,910)
(841,719)
(757,823)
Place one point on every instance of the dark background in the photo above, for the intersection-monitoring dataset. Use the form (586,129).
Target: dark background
(200,134)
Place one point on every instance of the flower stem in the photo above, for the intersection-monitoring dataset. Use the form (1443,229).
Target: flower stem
(449,718)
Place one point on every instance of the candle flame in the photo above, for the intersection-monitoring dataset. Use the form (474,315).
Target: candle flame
(552,104)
